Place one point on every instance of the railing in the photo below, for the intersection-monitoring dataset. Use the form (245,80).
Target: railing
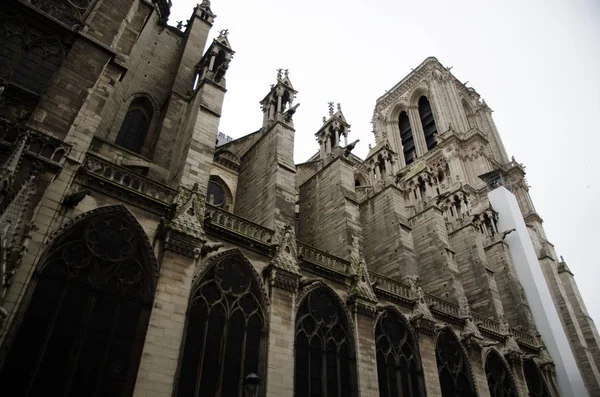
(322,258)
(38,145)
(129,180)
(389,285)
(442,305)
(238,224)
(525,338)
(487,323)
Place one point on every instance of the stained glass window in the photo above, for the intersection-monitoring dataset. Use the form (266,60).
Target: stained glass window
(499,378)
(83,329)
(453,369)
(535,382)
(324,355)
(398,366)
(225,333)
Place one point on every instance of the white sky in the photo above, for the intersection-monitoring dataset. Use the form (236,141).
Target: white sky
(536,63)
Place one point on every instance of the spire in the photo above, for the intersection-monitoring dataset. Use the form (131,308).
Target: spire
(278,104)
(329,136)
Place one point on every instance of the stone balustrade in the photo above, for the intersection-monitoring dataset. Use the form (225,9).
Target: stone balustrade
(391,286)
(128,179)
(322,258)
(239,225)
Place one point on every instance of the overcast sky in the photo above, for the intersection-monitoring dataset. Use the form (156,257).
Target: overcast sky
(536,63)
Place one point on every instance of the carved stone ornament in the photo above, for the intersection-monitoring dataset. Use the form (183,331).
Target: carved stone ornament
(420,309)
(511,347)
(286,251)
(185,233)
(362,287)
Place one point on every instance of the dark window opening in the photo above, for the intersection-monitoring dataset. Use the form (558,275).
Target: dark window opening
(84,327)
(215,194)
(134,128)
(225,332)
(428,122)
(398,367)
(406,136)
(535,381)
(453,369)
(323,349)
(500,381)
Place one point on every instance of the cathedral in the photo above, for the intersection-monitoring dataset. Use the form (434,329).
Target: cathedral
(144,254)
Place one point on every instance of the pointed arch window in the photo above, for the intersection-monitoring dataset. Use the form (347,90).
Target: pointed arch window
(535,381)
(408,142)
(83,330)
(499,378)
(323,349)
(453,368)
(398,365)
(225,332)
(134,128)
(428,122)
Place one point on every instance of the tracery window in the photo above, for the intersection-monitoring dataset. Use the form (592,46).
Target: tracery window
(84,326)
(28,57)
(398,365)
(69,12)
(135,125)
(500,381)
(535,382)
(225,332)
(218,194)
(406,136)
(323,349)
(428,122)
(453,369)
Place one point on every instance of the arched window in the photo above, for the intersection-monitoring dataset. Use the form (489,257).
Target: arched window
(28,58)
(398,365)
(135,125)
(469,113)
(535,382)
(428,122)
(323,349)
(500,380)
(218,194)
(453,368)
(408,142)
(84,327)
(224,333)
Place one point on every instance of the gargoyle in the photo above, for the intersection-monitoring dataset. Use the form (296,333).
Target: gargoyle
(207,248)
(73,199)
(350,147)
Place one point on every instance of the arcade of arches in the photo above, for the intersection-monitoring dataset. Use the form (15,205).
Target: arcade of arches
(83,325)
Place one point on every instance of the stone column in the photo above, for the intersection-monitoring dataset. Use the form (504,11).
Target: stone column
(366,358)
(515,364)
(417,130)
(478,369)
(425,336)
(158,366)
(282,314)
(183,241)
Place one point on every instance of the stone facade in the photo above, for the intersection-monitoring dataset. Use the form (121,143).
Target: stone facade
(108,124)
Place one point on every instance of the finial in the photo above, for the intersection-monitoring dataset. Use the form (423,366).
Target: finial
(179,25)
(223,33)
(279,71)
(205,3)
(286,72)
(562,259)
(339,107)
(330,108)
(324,119)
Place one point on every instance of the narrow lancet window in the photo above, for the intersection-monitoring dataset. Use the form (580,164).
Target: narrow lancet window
(428,122)
(406,136)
